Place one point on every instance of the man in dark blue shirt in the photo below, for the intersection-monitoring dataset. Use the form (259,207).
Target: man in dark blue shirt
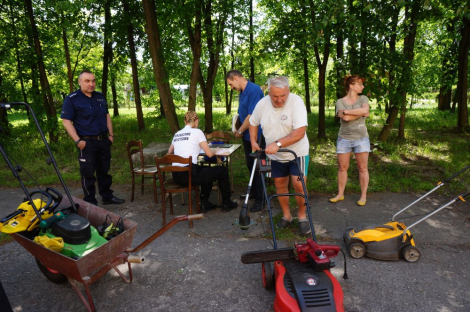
(86,118)
(250,94)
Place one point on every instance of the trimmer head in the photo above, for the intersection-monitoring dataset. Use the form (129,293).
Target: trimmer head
(244,226)
(244,221)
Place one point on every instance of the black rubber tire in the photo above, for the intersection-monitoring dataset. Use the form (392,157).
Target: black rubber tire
(57,278)
(268,276)
(357,250)
(411,254)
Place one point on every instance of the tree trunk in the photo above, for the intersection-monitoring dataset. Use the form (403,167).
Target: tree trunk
(352,41)
(107,47)
(195,41)
(448,69)
(158,61)
(444,98)
(398,96)
(67,56)
(388,126)
(321,100)
(401,127)
(46,89)
(391,80)
(322,74)
(307,87)
(340,91)
(228,106)
(114,93)
(408,52)
(4,125)
(464,45)
(214,39)
(17,55)
(362,70)
(135,72)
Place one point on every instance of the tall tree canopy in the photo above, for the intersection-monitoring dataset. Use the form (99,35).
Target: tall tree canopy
(403,48)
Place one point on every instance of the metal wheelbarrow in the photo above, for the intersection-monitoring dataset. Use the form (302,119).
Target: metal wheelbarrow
(94,264)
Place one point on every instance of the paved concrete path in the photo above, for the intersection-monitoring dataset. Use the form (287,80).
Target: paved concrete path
(199,269)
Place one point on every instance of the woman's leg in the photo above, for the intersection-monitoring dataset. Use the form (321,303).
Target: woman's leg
(343,166)
(362,165)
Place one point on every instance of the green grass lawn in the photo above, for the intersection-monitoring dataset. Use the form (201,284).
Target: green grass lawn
(432,150)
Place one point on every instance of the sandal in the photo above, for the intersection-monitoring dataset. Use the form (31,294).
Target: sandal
(304,227)
(283,223)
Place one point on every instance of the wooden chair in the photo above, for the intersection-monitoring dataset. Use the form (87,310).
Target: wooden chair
(145,171)
(219,136)
(169,186)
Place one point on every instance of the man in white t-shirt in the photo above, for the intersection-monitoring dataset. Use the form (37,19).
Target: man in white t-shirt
(283,119)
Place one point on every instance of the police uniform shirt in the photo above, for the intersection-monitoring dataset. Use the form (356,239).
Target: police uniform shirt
(88,114)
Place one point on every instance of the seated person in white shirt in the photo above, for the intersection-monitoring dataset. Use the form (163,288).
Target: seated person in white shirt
(188,142)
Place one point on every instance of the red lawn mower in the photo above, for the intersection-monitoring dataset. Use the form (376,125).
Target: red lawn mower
(301,274)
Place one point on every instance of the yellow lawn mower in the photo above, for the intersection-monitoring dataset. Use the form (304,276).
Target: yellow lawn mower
(392,240)
(25,218)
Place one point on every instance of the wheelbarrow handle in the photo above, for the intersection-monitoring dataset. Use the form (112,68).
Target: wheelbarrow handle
(163,229)
(195,217)
(135,259)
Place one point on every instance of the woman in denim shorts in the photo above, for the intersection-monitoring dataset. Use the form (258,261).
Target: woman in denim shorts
(353,137)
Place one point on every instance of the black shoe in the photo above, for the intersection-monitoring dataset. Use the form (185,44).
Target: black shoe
(229,205)
(283,223)
(257,206)
(304,227)
(113,201)
(207,206)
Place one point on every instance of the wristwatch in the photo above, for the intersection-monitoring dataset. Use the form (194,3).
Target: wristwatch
(78,141)
(278,143)
(239,132)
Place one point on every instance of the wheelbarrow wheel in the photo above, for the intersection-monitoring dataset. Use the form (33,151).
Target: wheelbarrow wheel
(357,250)
(411,253)
(268,276)
(51,275)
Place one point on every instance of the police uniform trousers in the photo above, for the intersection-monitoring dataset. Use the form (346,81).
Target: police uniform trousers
(96,157)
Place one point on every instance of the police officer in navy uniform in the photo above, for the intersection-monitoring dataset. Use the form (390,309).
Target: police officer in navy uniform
(86,118)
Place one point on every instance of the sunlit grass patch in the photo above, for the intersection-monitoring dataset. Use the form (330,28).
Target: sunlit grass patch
(431,151)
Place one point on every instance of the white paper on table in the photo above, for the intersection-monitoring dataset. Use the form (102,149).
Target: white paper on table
(218,151)
(222,151)
(234,121)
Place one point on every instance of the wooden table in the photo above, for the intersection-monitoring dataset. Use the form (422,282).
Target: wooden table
(160,149)
(221,152)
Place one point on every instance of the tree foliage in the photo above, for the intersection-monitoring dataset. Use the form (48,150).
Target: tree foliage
(404,49)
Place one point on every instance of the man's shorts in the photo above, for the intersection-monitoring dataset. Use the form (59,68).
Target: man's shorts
(281,169)
(344,146)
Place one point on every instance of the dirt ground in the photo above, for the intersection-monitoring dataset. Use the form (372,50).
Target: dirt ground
(199,269)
